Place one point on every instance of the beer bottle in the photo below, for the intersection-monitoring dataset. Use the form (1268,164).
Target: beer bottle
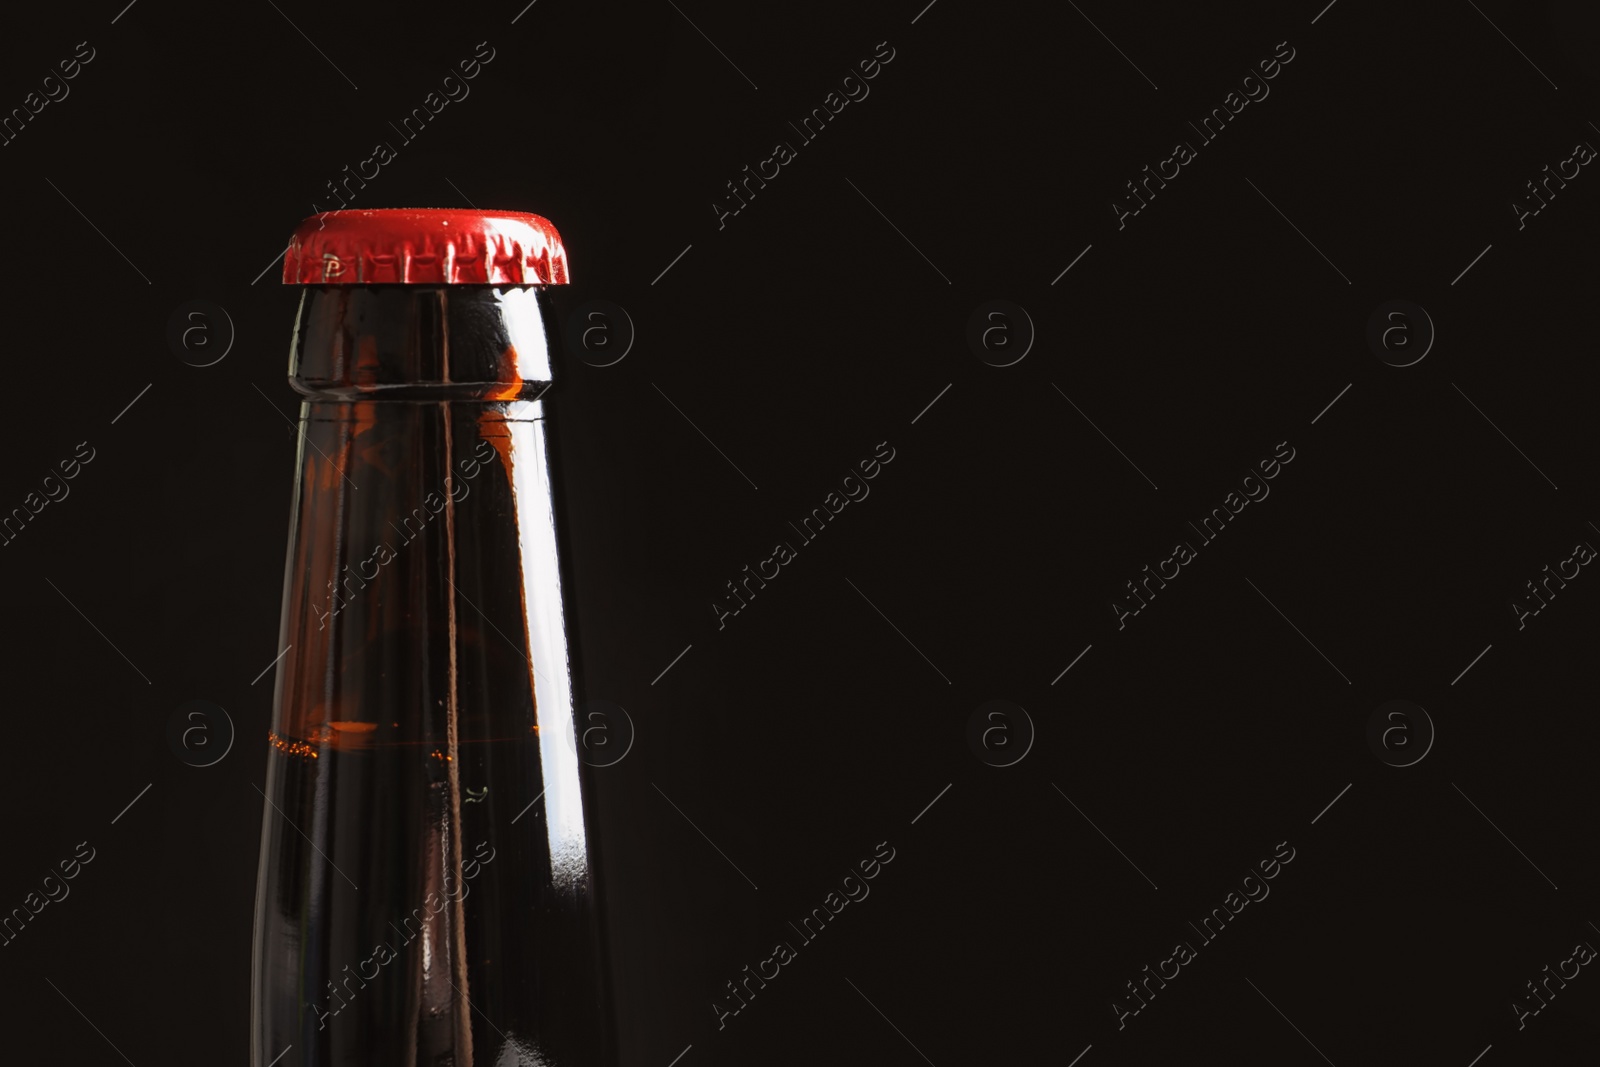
(426,894)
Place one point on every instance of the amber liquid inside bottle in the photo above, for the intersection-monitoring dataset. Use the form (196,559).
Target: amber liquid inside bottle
(425,894)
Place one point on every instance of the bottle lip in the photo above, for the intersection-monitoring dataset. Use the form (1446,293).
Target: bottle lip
(425,246)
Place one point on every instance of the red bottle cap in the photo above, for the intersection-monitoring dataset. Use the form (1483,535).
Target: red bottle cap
(425,246)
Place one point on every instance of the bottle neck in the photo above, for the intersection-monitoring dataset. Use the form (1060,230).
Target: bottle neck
(422,343)
(423,575)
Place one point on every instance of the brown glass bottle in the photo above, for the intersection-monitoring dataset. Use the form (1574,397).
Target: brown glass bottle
(425,893)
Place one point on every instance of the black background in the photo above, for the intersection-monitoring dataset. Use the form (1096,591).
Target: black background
(797,337)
